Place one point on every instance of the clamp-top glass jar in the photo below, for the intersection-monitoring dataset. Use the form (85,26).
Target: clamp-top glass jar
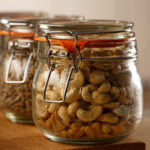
(87,88)
(17,70)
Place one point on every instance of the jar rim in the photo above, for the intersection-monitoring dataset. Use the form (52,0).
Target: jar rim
(105,26)
(11,26)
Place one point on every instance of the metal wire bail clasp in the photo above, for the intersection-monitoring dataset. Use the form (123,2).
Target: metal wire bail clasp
(11,45)
(52,67)
(25,71)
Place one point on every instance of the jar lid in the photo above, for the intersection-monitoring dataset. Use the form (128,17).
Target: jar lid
(18,17)
(83,33)
(89,26)
(18,26)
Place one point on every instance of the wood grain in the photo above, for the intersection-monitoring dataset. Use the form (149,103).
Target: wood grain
(28,137)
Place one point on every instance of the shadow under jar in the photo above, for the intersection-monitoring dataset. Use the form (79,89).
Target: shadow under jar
(87,88)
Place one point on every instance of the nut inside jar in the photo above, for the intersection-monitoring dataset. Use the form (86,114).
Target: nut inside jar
(97,104)
(16,98)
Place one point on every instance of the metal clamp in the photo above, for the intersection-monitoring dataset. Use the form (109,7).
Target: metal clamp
(52,67)
(25,71)
(65,90)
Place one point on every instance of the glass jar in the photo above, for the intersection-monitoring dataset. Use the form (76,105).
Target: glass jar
(17,70)
(87,88)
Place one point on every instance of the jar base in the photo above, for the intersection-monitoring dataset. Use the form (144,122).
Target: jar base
(90,141)
(17,119)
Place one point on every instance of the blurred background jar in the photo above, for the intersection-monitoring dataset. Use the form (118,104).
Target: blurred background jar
(17,70)
(19,64)
(87,88)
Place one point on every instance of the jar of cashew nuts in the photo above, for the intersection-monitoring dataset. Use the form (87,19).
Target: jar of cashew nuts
(87,88)
(17,70)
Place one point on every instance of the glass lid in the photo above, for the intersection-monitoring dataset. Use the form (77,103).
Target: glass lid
(108,26)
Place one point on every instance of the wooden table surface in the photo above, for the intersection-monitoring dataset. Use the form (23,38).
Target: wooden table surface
(27,137)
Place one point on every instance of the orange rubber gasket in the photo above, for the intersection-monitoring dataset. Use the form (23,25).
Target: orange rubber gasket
(68,45)
(16,33)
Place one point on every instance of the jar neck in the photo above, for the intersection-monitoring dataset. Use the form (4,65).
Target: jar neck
(121,44)
(104,50)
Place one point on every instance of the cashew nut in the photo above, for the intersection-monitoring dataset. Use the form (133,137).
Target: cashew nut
(89,132)
(40,86)
(72,108)
(111,105)
(96,77)
(40,83)
(48,123)
(63,78)
(106,128)
(77,80)
(51,95)
(63,114)
(116,70)
(85,65)
(54,81)
(56,124)
(123,96)
(99,98)
(53,107)
(96,127)
(108,118)
(72,95)
(55,78)
(115,92)
(41,107)
(87,92)
(122,110)
(91,115)
(76,126)
(71,133)
(118,129)
(104,88)
(80,133)
(104,66)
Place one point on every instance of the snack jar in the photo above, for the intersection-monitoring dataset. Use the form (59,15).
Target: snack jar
(17,70)
(87,88)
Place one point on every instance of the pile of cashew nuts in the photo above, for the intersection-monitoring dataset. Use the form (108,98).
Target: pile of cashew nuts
(101,101)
